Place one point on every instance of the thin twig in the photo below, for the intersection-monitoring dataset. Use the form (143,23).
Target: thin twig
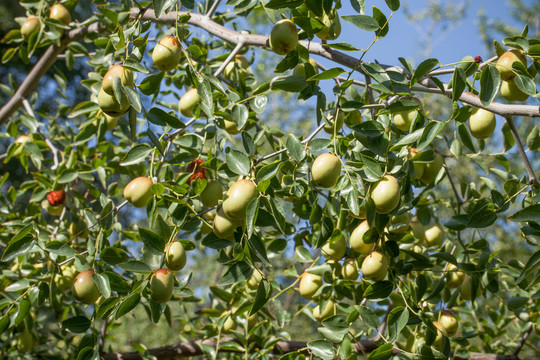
(523,340)
(459,199)
(213,9)
(233,53)
(532,177)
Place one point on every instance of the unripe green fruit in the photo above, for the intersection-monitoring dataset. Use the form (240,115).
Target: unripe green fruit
(418,230)
(350,270)
(466,291)
(431,170)
(326,170)
(112,122)
(212,193)
(52,210)
(239,62)
(230,127)
(332,26)
(230,324)
(329,310)
(30,26)
(505,61)
(25,341)
(64,281)
(361,213)
(434,236)
(353,118)
(284,37)
(385,194)
(224,227)
(418,167)
(110,105)
(252,321)
(438,340)
(449,322)
(482,123)
(357,243)
(238,198)
(309,285)
(454,277)
(23,139)
(60,13)
(76,227)
(188,102)
(329,129)
(404,119)
(84,288)
(125,75)
(139,191)
(335,248)
(402,221)
(511,92)
(161,285)
(175,256)
(375,266)
(300,69)
(254,280)
(167,53)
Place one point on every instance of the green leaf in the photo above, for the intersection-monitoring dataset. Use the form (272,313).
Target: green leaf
(127,305)
(152,240)
(251,216)
(4,323)
(290,83)
(136,154)
(135,266)
(207,102)
(114,255)
(83,108)
(530,213)
(530,275)
(490,82)
(67,176)
(135,65)
(431,131)
(161,118)
(151,84)
(335,328)
(397,320)
(378,74)
(238,162)
(133,98)
(295,148)
(282,4)
(327,74)
(363,22)
(322,348)
(383,352)
(425,67)
(237,272)
(342,46)
(379,290)
(264,290)
(459,81)
(508,139)
(533,139)
(525,84)
(382,21)
(24,308)
(20,246)
(77,324)
(158,6)
(268,171)
(392,4)
(102,282)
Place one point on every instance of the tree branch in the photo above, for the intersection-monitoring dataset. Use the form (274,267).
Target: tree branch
(532,177)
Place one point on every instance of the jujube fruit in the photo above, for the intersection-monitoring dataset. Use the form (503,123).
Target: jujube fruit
(449,322)
(224,227)
(84,288)
(511,92)
(385,194)
(110,105)
(161,285)
(125,75)
(309,285)
(188,102)
(60,13)
(139,191)
(330,309)
(326,170)
(350,270)
(332,26)
(167,53)
(56,197)
(335,247)
(212,193)
(454,276)
(404,119)
(356,239)
(375,266)
(238,197)
(431,169)
(482,123)
(175,256)
(30,26)
(505,61)
(284,37)
(434,236)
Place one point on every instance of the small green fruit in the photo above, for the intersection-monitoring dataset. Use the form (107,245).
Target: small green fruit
(230,127)
(329,129)
(300,69)
(353,118)
(335,247)
(326,170)
(401,221)
(175,256)
(85,289)
(284,37)
(111,122)
(454,276)
(329,310)
(434,236)
(375,266)
(332,26)
(385,194)
(482,123)
(125,75)
(25,341)
(64,281)
(254,280)
(309,285)
(238,198)
(466,291)
(431,170)
(505,61)
(438,340)
(350,270)
(357,243)
(511,92)
(167,53)
(23,139)
(60,13)
(230,324)
(404,119)
(224,227)
(240,63)
(212,193)
(161,285)
(188,102)
(139,191)
(30,26)
(418,230)
(449,322)
(110,105)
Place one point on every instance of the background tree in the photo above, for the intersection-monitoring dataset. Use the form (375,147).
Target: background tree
(190,190)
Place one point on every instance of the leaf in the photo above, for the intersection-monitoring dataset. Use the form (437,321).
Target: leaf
(152,240)
(327,74)
(335,328)
(158,6)
(135,266)
(238,162)
(296,148)
(490,82)
(397,320)
(160,117)
(151,84)
(379,290)
(268,171)
(136,154)
(363,22)
(322,348)
(392,4)
(525,84)
(382,21)
(251,216)
(77,324)
(431,131)
(368,316)
(459,81)
(83,108)
(383,352)
(282,4)
(237,272)
(530,213)
(207,102)
(133,98)
(530,274)
(127,305)
(290,83)
(20,246)
(425,67)
(102,282)
(264,290)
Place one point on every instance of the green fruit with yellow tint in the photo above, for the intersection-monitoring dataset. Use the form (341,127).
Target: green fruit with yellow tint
(188,102)
(338,124)
(404,119)
(482,123)
(238,198)
(30,26)
(64,281)
(111,122)
(353,118)
(449,322)
(418,230)
(431,170)
(231,127)
(212,193)
(224,227)
(55,210)
(385,194)
(454,276)
(300,69)
(84,288)
(125,75)
(434,236)
(175,256)
(230,324)
(357,243)
(284,37)
(326,170)
(401,222)
(335,247)
(350,270)
(330,309)
(25,341)
(466,290)
(139,191)
(78,228)
(309,285)
(505,61)
(23,139)
(60,13)
(167,54)
(110,105)
(511,92)
(361,212)
(332,26)
(162,285)
(375,266)
(254,280)
(240,63)
(438,339)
